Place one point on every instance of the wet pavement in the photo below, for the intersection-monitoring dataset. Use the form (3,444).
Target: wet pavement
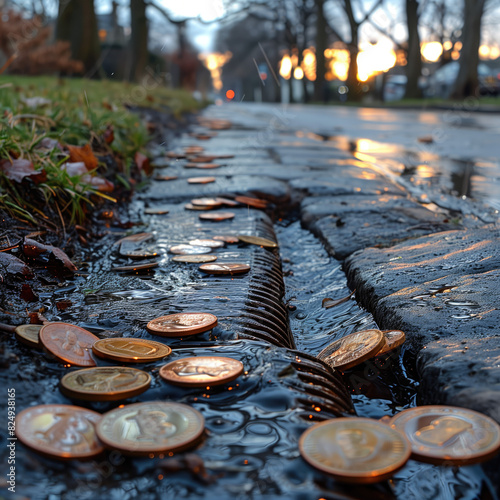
(427,266)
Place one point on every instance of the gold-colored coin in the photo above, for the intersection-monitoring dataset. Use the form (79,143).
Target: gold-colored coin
(68,343)
(207,243)
(136,267)
(190,206)
(194,259)
(448,435)
(227,238)
(145,429)
(181,324)
(201,180)
(252,202)
(202,371)
(217,216)
(29,335)
(189,250)
(257,240)
(393,339)
(205,166)
(229,268)
(352,349)
(131,350)
(355,450)
(109,383)
(60,431)
(227,202)
(207,202)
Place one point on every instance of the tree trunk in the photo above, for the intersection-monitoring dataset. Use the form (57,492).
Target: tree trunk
(414,58)
(77,24)
(467,83)
(138,39)
(353,83)
(321,45)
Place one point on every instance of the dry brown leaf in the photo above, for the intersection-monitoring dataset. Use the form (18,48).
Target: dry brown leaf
(328,303)
(17,170)
(142,162)
(83,154)
(34,248)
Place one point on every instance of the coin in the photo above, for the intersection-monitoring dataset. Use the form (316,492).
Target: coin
(201,371)
(200,180)
(252,202)
(193,149)
(355,450)
(136,267)
(229,268)
(181,324)
(108,383)
(203,159)
(194,259)
(68,343)
(205,166)
(189,250)
(139,254)
(135,238)
(352,349)
(448,435)
(156,211)
(143,429)
(131,350)
(29,335)
(60,431)
(207,202)
(393,339)
(190,206)
(227,201)
(257,240)
(165,178)
(174,154)
(217,216)
(207,243)
(227,238)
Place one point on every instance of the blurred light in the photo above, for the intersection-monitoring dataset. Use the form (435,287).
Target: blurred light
(375,59)
(431,51)
(340,69)
(343,89)
(455,55)
(484,51)
(447,45)
(494,53)
(214,63)
(309,64)
(458,46)
(286,67)
(230,94)
(298,73)
(102,35)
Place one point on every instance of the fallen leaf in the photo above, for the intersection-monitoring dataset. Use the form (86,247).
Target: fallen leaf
(27,293)
(109,135)
(142,162)
(34,248)
(35,102)
(48,143)
(12,265)
(17,170)
(426,139)
(97,182)
(328,303)
(83,154)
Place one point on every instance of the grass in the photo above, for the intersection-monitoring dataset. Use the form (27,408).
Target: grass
(77,112)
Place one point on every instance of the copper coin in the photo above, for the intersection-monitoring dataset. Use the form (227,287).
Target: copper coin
(200,180)
(355,450)
(181,324)
(217,216)
(139,254)
(227,238)
(448,435)
(144,429)
(207,243)
(207,202)
(68,343)
(165,178)
(227,201)
(352,349)
(194,259)
(393,339)
(257,240)
(205,166)
(229,268)
(252,202)
(224,157)
(108,383)
(202,159)
(136,267)
(60,431)
(190,206)
(189,250)
(131,350)
(29,335)
(201,371)
(156,211)
(175,155)
(193,149)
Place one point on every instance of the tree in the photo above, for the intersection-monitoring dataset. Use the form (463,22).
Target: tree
(467,83)
(413,57)
(138,39)
(321,45)
(77,24)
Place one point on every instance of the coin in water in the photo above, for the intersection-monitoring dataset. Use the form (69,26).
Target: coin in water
(355,450)
(165,178)
(352,349)
(68,343)
(200,180)
(181,324)
(194,259)
(108,383)
(156,211)
(136,267)
(190,206)
(29,335)
(207,202)
(229,268)
(217,216)
(193,149)
(189,250)
(205,166)
(227,238)
(252,202)
(257,240)
(207,243)
(393,339)
(60,431)
(227,202)
(448,435)
(135,238)
(175,155)
(131,350)
(143,429)
(203,159)
(202,371)
(139,254)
